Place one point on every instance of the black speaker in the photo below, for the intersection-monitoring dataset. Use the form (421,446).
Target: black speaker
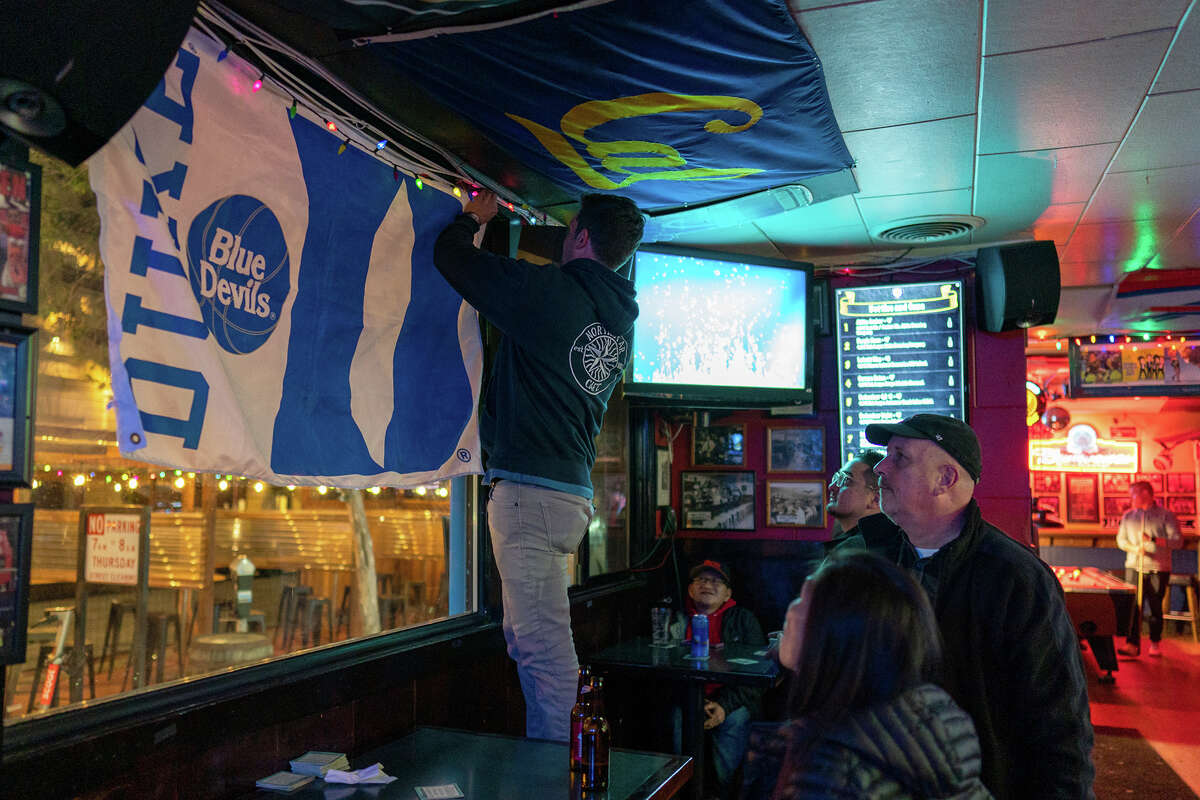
(1017,285)
(72,72)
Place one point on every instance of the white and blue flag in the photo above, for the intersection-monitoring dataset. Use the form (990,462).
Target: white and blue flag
(273,309)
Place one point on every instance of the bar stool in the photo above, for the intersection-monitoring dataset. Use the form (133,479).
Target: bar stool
(116,612)
(316,610)
(1191,612)
(391,602)
(343,614)
(228,622)
(158,625)
(44,653)
(292,601)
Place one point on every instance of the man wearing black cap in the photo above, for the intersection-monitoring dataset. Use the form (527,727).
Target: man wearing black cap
(728,710)
(1011,656)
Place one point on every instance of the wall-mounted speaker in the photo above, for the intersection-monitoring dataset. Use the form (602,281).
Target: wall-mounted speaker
(72,73)
(1017,285)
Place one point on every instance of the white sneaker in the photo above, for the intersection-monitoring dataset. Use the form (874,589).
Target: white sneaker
(1154,649)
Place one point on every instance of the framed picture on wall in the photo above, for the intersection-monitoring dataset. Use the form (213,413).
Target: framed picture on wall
(1182,505)
(1155,479)
(662,483)
(1116,482)
(719,445)
(1083,498)
(20,212)
(718,501)
(16,538)
(1181,483)
(1051,504)
(1047,482)
(795,449)
(796,504)
(16,388)
(1115,506)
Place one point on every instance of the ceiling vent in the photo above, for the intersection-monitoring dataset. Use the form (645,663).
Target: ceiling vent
(927,230)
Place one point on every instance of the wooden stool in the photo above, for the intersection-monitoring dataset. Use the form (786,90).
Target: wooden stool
(1191,613)
(116,612)
(217,651)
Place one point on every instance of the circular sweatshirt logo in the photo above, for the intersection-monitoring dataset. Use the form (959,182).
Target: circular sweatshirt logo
(597,358)
(239,270)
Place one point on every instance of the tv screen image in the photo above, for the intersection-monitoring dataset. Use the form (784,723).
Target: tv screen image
(719,327)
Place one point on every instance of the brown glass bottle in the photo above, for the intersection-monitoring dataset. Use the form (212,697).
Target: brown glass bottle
(594,734)
(579,712)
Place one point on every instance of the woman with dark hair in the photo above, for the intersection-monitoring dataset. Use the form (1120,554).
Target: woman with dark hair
(864,719)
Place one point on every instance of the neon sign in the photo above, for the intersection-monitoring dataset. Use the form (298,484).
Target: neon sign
(1083,451)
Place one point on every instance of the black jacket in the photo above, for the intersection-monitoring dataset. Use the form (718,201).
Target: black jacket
(917,745)
(738,626)
(1011,655)
(567,332)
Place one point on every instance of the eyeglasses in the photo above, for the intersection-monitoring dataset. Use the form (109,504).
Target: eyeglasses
(840,479)
(713,579)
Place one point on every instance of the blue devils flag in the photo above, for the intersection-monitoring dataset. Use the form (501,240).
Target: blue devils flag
(273,309)
(665,102)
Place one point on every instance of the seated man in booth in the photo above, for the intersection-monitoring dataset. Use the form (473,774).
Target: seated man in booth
(728,709)
(853,494)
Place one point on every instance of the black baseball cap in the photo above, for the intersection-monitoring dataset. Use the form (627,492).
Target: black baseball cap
(712,566)
(952,435)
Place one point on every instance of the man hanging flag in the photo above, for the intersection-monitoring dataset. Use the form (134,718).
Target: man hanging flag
(273,310)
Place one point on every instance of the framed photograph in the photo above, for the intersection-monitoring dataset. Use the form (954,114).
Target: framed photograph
(1155,479)
(20,213)
(662,482)
(719,445)
(795,449)
(1083,498)
(16,390)
(1115,506)
(1047,482)
(1181,483)
(16,541)
(1182,505)
(796,504)
(1051,504)
(1116,482)
(718,501)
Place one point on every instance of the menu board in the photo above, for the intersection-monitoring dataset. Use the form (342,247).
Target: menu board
(900,352)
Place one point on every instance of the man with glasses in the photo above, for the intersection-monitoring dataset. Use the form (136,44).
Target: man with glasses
(728,710)
(853,494)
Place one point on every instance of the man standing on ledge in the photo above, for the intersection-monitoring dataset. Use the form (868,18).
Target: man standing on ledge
(1011,656)
(567,332)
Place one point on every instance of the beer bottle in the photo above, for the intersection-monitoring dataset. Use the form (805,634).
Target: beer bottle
(594,734)
(579,712)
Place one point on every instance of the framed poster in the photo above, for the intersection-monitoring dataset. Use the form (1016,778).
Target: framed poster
(796,504)
(1155,479)
(1181,483)
(1083,498)
(1047,482)
(719,445)
(16,389)
(1115,506)
(795,449)
(16,541)
(718,501)
(1116,482)
(1051,504)
(1185,505)
(20,212)
(662,482)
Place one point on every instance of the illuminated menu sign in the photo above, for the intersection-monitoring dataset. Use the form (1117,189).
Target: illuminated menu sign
(900,352)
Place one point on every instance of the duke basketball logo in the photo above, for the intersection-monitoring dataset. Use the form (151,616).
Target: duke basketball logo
(239,269)
(597,358)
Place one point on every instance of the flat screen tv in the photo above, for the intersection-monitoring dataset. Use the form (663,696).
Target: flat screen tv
(721,330)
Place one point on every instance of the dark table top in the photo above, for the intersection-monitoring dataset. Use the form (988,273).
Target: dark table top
(744,665)
(493,767)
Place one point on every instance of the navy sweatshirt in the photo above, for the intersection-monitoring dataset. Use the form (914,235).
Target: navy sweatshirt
(567,333)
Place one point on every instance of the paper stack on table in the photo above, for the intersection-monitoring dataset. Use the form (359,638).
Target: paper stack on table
(366,775)
(283,782)
(318,762)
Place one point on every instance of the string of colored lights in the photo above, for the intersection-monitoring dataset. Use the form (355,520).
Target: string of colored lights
(348,128)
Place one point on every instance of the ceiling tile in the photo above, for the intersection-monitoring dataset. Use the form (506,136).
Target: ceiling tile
(743,239)
(1173,192)
(1183,250)
(1080,310)
(1064,96)
(927,49)
(1088,273)
(834,223)
(1127,244)
(1182,70)
(924,157)
(1028,24)
(1165,135)
(879,212)
(1039,177)
(1057,222)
